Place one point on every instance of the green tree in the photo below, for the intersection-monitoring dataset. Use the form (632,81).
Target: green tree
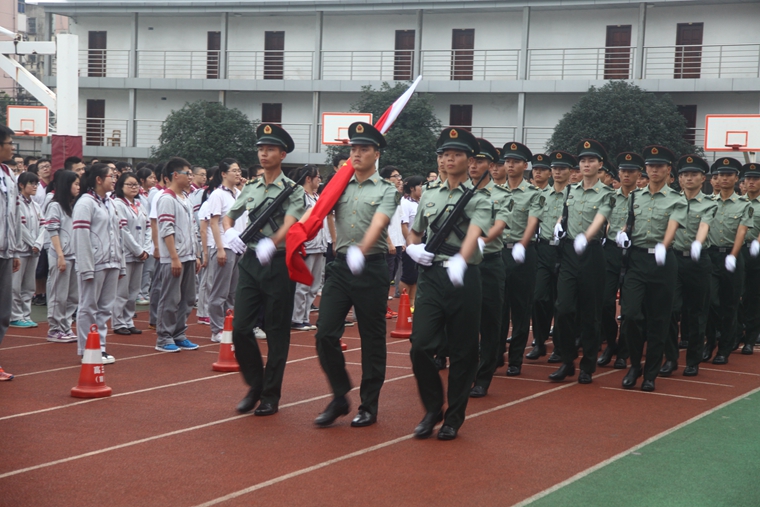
(623,117)
(206,132)
(411,139)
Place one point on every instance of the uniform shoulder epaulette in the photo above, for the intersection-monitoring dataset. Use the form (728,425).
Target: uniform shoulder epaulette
(434,184)
(251,182)
(387,182)
(533,187)
(501,188)
(743,198)
(485,191)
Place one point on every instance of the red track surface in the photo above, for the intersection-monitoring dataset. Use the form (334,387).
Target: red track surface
(170,436)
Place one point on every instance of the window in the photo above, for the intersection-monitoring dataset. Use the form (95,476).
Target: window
(274,46)
(690,113)
(403,62)
(95,126)
(271,113)
(688,63)
(213,46)
(617,56)
(96,54)
(462,55)
(31,26)
(460,115)
(21,6)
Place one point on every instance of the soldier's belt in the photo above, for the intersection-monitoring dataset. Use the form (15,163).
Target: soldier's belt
(720,249)
(550,242)
(510,246)
(491,256)
(643,250)
(367,258)
(682,253)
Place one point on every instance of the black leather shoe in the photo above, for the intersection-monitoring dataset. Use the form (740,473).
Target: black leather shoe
(706,355)
(513,371)
(668,368)
(265,409)
(606,357)
(690,371)
(683,344)
(566,370)
(134,330)
(478,392)
(554,358)
(647,385)
(425,428)
(629,381)
(363,418)
(720,359)
(620,364)
(538,351)
(584,377)
(336,408)
(440,362)
(748,349)
(447,433)
(122,331)
(250,401)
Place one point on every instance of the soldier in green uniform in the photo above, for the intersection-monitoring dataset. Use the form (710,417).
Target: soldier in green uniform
(519,254)
(541,171)
(449,288)
(581,275)
(547,258)
(650,280)
(729,228)
(359,278)
(751,249)
(492,273)
(263,279)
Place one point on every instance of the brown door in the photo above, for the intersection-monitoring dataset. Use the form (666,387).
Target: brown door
(95,126)
(690,113)
(213,46)
(403,62)
(462,45)
(460,115)
(96,54)
(274,47)
(271,113)
(688,50)
(617,55)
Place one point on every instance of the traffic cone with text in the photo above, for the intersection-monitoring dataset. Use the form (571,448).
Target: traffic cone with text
(92,378)
(404,322)
(226,360)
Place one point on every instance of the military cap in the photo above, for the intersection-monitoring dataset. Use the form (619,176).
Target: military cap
(644,174)
(631,161)
(610,168)
(658,155)
(274,135)
(726,165)
(498,155)
(751,169)
(487,150)
(562,159)
(517,151)
(365,134)
(541,161)
(692,163)
(591,148)
(456,138)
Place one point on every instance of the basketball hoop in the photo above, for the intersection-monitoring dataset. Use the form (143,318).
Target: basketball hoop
(735,147)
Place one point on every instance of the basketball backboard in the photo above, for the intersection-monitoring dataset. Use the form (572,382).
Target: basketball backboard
(335,126)
(28,120)
(732,132)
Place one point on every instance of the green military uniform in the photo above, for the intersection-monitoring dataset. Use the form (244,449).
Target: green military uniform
(267,286)
(692,290)
(730,215)
(751,296)
(524,202)
(366,292)
(440,304)
(648,288)
(581,277)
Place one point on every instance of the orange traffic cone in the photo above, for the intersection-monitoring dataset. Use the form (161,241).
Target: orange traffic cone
(92,379)
(404,322)
(226,360)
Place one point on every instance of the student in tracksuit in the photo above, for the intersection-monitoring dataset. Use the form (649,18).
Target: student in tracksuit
(28,251)
(155,287)
(180,259)
(62,284)
(135,232)
(99,255)
(146,176)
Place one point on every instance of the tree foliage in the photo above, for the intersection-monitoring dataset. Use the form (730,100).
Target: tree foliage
(206,132)
(411,140)
(623,117)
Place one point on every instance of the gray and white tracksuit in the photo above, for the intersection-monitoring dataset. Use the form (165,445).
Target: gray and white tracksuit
(135,233)
(32,236)
(62,287)
(315,261)
(100,261)
(10,231)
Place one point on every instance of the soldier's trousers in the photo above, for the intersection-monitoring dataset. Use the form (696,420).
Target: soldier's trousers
(492,276)
(690,303)
(518,303)
(751,296)
(580,284)
(269,287)
(613,256)
(368,294)
(545,292)
(649,291)
(729,290)
(439,304)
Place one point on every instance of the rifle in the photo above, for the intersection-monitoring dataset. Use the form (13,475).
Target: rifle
(261,215)
(628,230)
(449,223)
(563,222)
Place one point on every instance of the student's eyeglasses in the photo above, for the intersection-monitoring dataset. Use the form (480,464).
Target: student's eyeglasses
(186,173)
(131,185)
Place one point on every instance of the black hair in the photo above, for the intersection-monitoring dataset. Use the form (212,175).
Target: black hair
(28,159)
(54,181)
(159,170)
(90,177)
(143,174)
(10,162)
(5,133)
(173,165)
(432,171)
(69,162)
(411,182)
(120,166)
(386,171)
(26,178)
(245,173)
(215,181)
(62,194)
(196,167)
(118,189)
(341,155)
(32,168)
(311,171)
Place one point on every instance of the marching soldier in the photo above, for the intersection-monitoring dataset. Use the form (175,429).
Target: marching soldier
(541,171)
(449,287)
(751,249)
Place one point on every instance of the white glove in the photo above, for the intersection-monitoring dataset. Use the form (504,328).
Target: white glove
(231,238)
(420,255)
(696,251)
(580,243)
(660,253)
(265,250)
(559,232)
(456,269)
(355,260)
(754,248)
(730,263)
(481,244)
(622,240)
(518,253)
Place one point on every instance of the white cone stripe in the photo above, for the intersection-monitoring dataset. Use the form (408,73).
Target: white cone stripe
(92,357)
(226,336)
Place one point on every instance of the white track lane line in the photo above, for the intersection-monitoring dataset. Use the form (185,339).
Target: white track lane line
(29,345)
(656,394)
(694,381)
(731,371)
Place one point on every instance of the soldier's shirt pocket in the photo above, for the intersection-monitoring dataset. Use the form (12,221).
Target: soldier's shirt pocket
(370,205)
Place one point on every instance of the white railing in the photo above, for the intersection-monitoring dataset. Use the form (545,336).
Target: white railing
(375,65)
(104,131)
(497,136)
(99,63)
(147,132)
(536,138)
(692,62)
(178,64)
(270,64)
(581,63)
(301,134)
(470,65)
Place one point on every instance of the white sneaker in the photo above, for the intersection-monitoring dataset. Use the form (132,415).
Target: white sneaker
(259,333)
(108,358)
(216,337)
